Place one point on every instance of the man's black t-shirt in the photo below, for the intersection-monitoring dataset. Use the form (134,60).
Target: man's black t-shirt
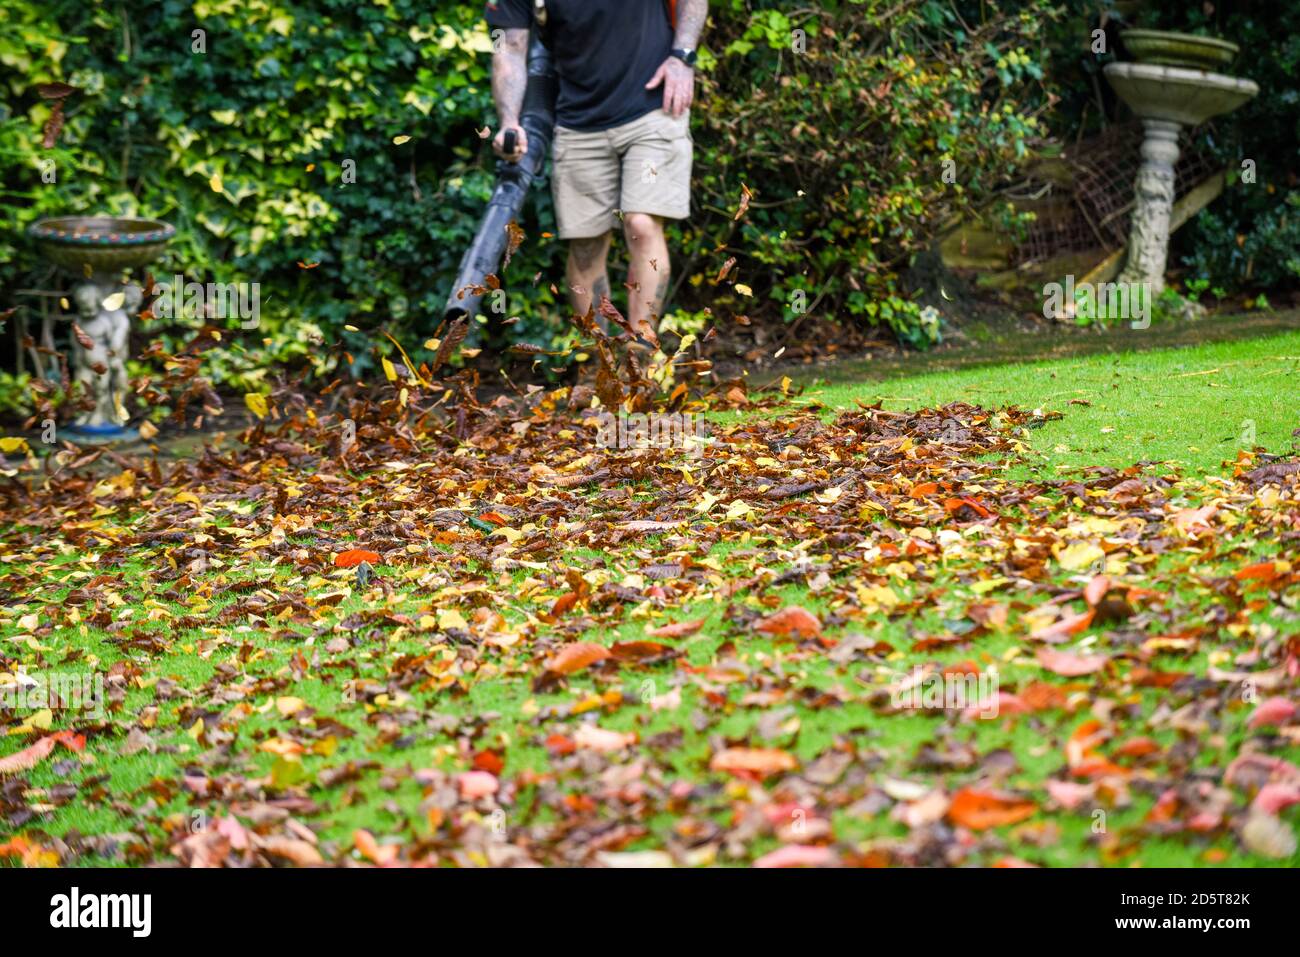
(605,51)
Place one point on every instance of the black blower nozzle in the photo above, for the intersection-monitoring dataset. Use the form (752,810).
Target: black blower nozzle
(483,257)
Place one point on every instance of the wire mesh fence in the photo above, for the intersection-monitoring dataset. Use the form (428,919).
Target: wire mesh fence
(1100,197)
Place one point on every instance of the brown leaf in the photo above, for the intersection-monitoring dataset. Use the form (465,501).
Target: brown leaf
(1070,665)
(758,762)
(576,656)
(678,629)
(28,757)
(447,347)
(792,620)
(295,851)
(55,90)
(514,239)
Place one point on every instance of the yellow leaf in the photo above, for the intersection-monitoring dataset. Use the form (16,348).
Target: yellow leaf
(13,443)
(451,618)
(738,509)
(1079,555)
(114,301)
(42,720)
(148,430)
(288,705)
(256,403)
(287,771)
(215,183)
(390,370)
(399,140)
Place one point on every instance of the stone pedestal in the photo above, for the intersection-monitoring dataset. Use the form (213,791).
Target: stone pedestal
(1148,243)
(1166,99)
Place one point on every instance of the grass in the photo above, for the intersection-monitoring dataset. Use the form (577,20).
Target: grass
(1191,407)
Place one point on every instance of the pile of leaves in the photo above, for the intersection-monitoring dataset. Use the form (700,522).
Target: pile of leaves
(409,626)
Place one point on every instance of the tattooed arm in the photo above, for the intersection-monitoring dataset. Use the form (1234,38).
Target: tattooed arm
(691,15)
(509,80)
(677,78)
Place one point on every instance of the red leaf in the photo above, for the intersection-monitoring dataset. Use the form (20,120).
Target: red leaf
(1263,571)
(489,761)
(559,744)
(563,604)
(355,556)
(979,810)
(798,855)
(1276,711)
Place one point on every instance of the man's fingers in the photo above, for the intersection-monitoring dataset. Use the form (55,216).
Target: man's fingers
(521,144)
(679,98)
(657,79)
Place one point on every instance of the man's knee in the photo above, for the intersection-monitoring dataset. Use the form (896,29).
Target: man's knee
(588,254)
(641,227)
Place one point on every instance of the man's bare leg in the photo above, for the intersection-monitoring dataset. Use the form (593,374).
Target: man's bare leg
(586,273)
(648,270)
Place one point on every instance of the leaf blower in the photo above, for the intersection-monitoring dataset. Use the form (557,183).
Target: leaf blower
(537,117)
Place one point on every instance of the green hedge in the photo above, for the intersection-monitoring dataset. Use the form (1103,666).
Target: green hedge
(840,119)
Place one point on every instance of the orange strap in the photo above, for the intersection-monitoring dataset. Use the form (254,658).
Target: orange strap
(672,13)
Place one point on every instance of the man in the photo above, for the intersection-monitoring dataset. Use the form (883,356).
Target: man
(623,146)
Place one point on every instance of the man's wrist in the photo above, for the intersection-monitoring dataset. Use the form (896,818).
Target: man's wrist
(686,54)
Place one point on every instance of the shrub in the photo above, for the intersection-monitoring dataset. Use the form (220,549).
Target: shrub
(839,119)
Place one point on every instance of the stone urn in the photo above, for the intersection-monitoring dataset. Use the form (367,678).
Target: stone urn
(98,250)
(1168,92)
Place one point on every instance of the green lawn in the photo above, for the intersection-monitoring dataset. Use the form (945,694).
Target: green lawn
(257,683)
(1191,407)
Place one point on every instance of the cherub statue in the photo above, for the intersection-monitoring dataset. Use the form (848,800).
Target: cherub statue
(101,369)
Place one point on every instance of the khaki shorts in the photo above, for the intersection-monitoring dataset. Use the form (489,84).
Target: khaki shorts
(640,167)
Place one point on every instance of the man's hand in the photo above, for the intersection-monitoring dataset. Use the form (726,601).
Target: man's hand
(679,85)
(521,144)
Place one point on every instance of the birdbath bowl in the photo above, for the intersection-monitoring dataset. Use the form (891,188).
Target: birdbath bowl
(1177,94)
(1179,49)
(1165,99)
(97,250)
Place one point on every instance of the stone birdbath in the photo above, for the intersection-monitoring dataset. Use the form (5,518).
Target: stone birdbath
(1169,91)
(98,250)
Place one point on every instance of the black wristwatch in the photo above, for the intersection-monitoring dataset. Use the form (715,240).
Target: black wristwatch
(686,56)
